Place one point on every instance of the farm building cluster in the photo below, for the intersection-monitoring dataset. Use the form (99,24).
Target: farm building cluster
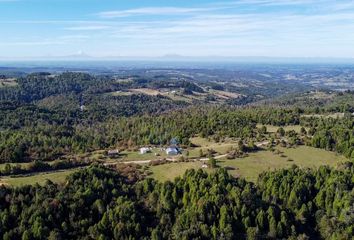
(171,151)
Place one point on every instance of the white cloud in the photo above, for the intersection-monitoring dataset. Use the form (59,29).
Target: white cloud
(147,11)
(88,27)
(33,43)
(223,28)
(343,6)
(152,11)
(74,37)
(277,2)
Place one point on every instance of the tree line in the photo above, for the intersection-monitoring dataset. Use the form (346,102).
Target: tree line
(96,203)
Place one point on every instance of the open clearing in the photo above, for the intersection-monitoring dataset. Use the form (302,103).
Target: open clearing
(147,91)
(9,82)
(155,154)
(321,95)
(40,178)
(205,144)
(2,165)
(121,93)
(127,156)
(172,170)
(224,94)
(333,115)
(178,95)
(25,164)
(250,167)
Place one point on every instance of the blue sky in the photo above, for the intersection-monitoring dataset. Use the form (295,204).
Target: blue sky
(104,28)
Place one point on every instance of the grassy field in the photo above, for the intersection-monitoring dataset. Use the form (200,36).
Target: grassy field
(172,170)
(10,82)
(152,92)
(178,95)
(250,167)
(58,176)
(26,164)
(127,156)
(125,80)
(224,94)
(2,165)
(321,95)
(312,157)
(136,156)
(120,93)
(333,115)
(147,91)
(204,144)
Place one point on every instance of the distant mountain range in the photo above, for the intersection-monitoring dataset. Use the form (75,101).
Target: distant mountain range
(179,58)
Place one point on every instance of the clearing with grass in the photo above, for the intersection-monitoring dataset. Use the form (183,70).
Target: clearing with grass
(40,178)
(255,163)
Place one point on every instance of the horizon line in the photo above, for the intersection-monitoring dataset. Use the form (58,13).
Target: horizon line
(80,57)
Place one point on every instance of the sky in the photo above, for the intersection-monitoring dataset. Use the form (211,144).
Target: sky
(115,28)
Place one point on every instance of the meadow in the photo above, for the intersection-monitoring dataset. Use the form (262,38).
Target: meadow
(40,178)
(248,167)
(255,163)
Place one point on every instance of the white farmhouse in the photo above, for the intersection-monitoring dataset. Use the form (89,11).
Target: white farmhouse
(144,150)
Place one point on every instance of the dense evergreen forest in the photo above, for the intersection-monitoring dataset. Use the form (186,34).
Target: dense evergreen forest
(101,204)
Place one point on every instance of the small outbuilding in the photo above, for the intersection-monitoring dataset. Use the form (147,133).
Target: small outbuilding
(113,152)
(172,151)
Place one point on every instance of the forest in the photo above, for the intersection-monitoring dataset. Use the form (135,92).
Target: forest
(97,203)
